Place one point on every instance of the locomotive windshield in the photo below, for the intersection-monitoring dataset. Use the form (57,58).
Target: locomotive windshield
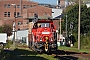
(43,24)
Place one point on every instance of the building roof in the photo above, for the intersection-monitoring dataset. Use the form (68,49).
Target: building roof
(59,16)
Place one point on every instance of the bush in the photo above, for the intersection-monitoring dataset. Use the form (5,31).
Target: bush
(9,43)
(76,44)
(84,40)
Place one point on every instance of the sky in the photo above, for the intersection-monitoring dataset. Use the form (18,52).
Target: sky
(46,1)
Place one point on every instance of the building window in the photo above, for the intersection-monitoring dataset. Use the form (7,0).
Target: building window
(45,13)
(18,6)
(30,6)
(8,6)
(19,23)
(24,6)
(23,39)
(18,28)
(5,14)
(18,14)
(27,6)
(5,5)
(8,14)
(27,22)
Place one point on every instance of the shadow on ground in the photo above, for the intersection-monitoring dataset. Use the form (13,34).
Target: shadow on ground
(19,54)
(66,55)
(66,58)
(62,52)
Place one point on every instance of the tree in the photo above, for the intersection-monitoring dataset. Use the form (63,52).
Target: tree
(7,29)
(72,16)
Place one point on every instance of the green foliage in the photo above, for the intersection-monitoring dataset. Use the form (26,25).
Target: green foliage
(76,44)
(72,16)
(85,41)
(9,43)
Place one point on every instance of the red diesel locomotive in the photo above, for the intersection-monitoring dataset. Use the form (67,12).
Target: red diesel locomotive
(43,36)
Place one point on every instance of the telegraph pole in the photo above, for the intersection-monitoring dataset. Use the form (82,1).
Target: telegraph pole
(14,25)
(66,25)
(79,25)
(60,27)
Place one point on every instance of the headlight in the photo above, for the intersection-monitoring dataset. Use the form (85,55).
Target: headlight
(46,38)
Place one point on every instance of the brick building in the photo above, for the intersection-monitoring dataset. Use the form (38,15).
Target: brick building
(20,10)
(62,3)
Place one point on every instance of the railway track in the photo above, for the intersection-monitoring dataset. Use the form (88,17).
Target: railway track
(69,55)
(66,55)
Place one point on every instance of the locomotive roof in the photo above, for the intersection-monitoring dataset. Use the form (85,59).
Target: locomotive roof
(42,18)
(41,21)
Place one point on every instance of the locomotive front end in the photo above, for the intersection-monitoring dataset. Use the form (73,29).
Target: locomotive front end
(44,37)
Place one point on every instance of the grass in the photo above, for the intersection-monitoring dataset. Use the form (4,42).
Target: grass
(73,49)
(48,57)
(22,52)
